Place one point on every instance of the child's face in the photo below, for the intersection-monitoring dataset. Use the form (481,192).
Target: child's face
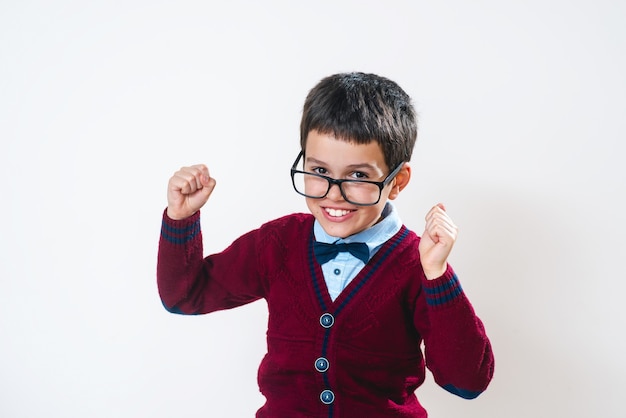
(348,160)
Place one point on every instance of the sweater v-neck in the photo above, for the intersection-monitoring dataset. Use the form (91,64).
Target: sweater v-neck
(353,289)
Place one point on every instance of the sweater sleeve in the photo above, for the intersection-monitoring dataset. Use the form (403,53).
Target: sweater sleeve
(190,284)
(457,349)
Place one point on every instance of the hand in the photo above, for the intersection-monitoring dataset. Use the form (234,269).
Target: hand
(436,243)
(188,190)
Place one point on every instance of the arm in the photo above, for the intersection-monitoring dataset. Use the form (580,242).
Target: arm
(458,352)
(187,282)
(190,284)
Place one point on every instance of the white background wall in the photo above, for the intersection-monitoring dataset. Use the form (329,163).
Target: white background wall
(522,126)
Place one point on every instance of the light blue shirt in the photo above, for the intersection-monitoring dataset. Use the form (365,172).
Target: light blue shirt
(340,271)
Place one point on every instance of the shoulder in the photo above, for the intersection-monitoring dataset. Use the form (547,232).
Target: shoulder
(407,239)
(284,240)
(405,252)
(294,221)
(287,228)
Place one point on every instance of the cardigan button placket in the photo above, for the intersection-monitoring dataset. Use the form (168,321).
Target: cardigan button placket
(322,364)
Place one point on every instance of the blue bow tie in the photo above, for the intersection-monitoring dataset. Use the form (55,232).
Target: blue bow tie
(326,252)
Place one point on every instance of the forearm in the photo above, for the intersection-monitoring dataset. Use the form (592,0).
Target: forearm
(458,351)
(190,283)
(179,262)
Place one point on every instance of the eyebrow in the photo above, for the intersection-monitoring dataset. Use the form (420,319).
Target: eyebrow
(351,166)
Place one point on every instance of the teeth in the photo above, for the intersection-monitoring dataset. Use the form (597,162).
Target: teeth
(337,212)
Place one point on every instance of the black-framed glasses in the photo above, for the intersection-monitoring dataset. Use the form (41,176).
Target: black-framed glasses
(356,192)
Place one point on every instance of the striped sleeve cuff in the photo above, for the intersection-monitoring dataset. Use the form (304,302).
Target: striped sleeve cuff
(180,232)
(444,290)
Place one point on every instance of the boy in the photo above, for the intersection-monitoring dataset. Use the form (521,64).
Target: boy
(351,292)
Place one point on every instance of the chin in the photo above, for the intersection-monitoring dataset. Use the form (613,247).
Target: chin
(340,231)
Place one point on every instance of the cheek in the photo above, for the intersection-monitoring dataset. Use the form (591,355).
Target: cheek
(373,214)
(310,203)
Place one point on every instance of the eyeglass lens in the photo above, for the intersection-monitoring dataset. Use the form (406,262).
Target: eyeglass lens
(357,192)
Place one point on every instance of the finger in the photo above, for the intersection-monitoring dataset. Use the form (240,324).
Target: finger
(194,175)
(201,174)
(189,179)
(205,178)
(432,212)
(201,183)
(438,215)
(441,234)
(179,184)
(184,183)
(442,229)
(208,185)
(441,219)
(438,208)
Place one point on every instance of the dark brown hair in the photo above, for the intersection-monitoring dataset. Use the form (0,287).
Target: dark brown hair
(362,108)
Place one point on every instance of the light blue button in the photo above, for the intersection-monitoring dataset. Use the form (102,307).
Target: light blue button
(321,364)
(327,320)
(337,272)
(327,397)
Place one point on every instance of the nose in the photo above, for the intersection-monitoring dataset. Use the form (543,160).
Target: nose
(334,193)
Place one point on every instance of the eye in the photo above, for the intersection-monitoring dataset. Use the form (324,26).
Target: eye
(359,175)
(318,170)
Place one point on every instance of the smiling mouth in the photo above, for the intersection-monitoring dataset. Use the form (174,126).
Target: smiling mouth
(337,213)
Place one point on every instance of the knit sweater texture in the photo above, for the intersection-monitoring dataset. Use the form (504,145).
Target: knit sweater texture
(362,355)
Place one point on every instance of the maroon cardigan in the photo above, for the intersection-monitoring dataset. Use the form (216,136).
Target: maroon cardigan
(358,356)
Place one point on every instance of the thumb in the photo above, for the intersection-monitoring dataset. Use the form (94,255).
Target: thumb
(198,199)
(208,184)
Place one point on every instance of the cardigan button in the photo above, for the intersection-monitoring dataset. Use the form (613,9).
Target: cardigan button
(327,320)
(321,364)
(327,397)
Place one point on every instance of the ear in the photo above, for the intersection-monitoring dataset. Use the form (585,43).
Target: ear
(400,181)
